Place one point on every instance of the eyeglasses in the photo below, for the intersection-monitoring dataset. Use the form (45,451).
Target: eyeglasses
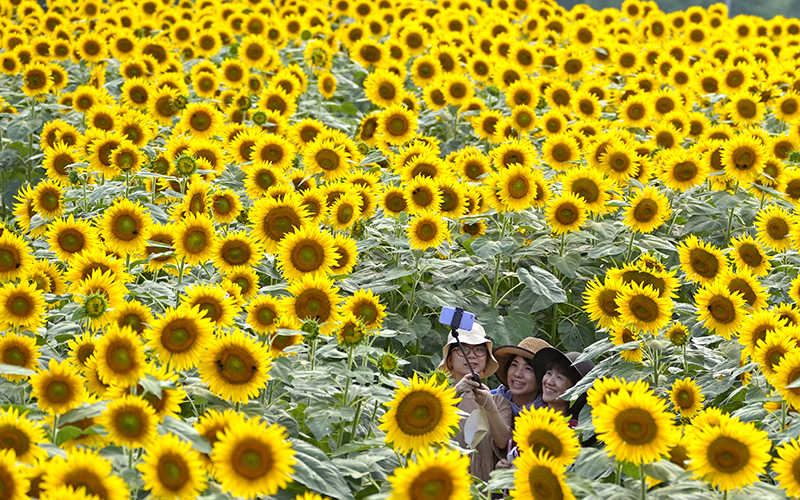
(479,350)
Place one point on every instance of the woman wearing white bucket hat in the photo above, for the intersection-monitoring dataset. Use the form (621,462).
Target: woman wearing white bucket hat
(489,427)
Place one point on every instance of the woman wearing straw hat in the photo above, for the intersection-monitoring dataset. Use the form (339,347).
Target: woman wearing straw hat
(556,372)
(519,385)
(488,428)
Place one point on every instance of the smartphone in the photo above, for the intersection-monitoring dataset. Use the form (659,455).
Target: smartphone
(463,319)
(513,453)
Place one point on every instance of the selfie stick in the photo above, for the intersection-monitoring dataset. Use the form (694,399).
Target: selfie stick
(459,312)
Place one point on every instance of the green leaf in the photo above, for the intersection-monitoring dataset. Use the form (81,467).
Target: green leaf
(567,264)
(543,284)
(186,432)
(15,370)
(67,433)
(315,471)
(349,108)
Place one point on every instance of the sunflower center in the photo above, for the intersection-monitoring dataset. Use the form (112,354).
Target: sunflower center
(95,305)
(619,162)
(178,336)
(266,316)
(426,231)
(541,440)
(722,309)
(728,455)
(544,484)
(586,189)
(746,109)
(58,391)
(433,484)
(646,210)
(636,426)
(703,263)
(125,227)
(119,359)
(308,256)
(519,187)
(313,303)
(12,438)
(744,158)
(685,399)
(567,214)
(279,222)
(397,125)
(777,228)
(236,253)
(85,478)
(196,241)
(386,91)
(327,159)
(562,152)
(743,287)
(236,365)
(252,460)
(636,111)
(685,171)
(644,308)
(789,106)
(750,254)
(20,306)
(172,472)
(14,356)
(419,413)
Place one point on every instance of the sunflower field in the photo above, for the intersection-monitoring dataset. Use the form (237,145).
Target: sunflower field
(229,227)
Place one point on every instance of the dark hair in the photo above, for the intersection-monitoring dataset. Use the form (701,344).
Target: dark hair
(562,366)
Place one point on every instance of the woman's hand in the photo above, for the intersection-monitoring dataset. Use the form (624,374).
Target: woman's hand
(466,384)
(503,464)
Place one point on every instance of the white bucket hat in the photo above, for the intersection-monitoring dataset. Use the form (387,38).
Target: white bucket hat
(476,336)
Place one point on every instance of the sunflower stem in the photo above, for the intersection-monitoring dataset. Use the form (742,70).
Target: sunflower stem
(784,411)
(55,428)
(180,275)
(643,478)
(414,282)
(356,420)
(562,245)
(730,225)
(619,474)
(127,184)
(629,253)
(312,353)
(372,419)
(130,458)
(685,361)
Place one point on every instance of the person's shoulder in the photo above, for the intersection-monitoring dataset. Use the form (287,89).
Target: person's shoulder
(501,401)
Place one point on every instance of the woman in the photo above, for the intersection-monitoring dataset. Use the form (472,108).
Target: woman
(519,385)
(475,396)
(556,372)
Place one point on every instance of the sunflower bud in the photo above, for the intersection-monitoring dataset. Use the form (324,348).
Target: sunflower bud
(95,305)
(310,328)
(358,229)
(186,165)
(363,148)
(243,216)
(259,118)
(318,58)
(74,177)
(352,332)
(180,102)
(305,35)
(388,363)
(493,89)
(794,157)
(439,377)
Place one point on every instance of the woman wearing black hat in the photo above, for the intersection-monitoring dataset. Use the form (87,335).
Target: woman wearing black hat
(556,372)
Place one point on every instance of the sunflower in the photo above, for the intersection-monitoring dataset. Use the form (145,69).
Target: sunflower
(619,161)
(327,157)
(262,313)
(770,350)
(720,310)
(306,251)
(773,228)
(38,79)
(21,436)
(589,184)
(180,335)
(314,297)
(686,397)
(637,110)
(420,415)
(366,306)
(166,402)
(211,425)
(347,252)
(57,160)
(701,261)
(743,157)
(566,213)
(243,282)
(597,395)
(516,186)
(730,455)
(642,307)
(125,226)
(253,459)
(442,474)
(621,333)
(635,426)
(274,149)
(172,470)
(427,230)
(272,219)
(15,482)
(600,301)
(345,211)
(18,350)
(234,367)
(544,432)
(682,169)
(194,239)
(211,299)
(120,357)
(539,478)
(59,388)
(383,88)
(785,374)
(22,306)
(48,199)
(648,210)
(397,125)
(743,282)
(84,471)
(130,421)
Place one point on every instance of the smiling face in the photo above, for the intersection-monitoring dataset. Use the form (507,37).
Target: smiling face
(458,365)
(522,381)
(555,382)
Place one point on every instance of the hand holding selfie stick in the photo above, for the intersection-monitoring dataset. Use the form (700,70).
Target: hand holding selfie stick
(455,324)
